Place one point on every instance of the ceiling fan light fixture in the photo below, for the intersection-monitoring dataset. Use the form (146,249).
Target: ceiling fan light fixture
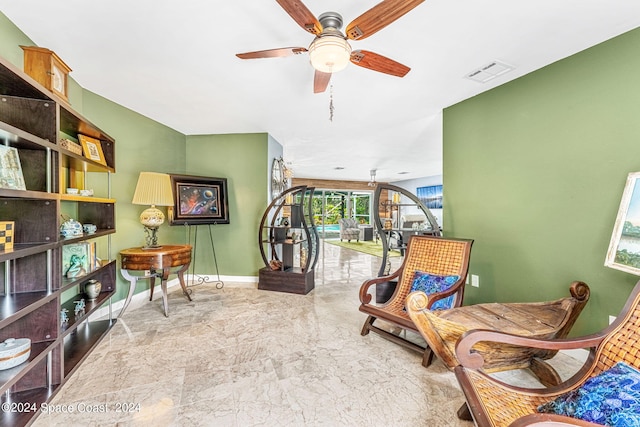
(329,53)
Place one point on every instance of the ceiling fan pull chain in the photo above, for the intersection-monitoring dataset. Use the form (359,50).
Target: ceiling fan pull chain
(331,104)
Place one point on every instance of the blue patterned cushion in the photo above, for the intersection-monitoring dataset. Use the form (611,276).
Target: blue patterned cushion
(611,398)
(431,283)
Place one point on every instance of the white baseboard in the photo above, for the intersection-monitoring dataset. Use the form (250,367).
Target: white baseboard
(142,298)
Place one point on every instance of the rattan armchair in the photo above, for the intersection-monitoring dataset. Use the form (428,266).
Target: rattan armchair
(494,403)
(429,254)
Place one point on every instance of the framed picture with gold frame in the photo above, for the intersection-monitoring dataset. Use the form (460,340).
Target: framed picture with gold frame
(92,149)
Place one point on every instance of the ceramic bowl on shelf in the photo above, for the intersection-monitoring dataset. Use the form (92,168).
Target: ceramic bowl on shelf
(89,228)
(86,193)
(14,352)
(72,190)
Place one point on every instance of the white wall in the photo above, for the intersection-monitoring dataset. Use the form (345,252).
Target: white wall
(412,184)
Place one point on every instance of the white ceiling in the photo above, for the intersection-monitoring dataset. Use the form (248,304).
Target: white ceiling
(175,63)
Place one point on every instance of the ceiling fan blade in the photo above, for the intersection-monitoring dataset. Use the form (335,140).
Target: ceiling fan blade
(376,62)
(378,17)
(272,53)
(320,81)
(303,16)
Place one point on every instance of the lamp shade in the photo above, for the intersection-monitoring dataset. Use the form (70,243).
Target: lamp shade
(153,189)
(329,53)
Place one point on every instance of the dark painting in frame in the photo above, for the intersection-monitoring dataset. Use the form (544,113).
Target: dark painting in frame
(199,200)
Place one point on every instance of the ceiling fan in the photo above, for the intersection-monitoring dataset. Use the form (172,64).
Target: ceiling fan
(330,51)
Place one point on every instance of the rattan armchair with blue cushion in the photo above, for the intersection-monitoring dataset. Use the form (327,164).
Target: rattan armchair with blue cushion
(587,397)
(349,230)
(435,265)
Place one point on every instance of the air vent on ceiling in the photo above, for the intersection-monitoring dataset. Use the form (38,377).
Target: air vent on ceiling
(489,71)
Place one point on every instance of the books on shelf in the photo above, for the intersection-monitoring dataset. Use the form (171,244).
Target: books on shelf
(10,169)
(79,259)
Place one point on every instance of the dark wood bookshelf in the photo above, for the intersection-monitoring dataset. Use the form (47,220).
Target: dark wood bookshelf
(79,344)
(17,305)
(38,351)
(35,398)
(33,121)
(90,307)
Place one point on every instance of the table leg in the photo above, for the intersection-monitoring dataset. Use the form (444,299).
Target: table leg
(163,285)
(152,284)
(180,273)
(132,287)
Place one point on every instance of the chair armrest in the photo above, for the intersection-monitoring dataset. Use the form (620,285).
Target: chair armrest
(432,298)
(365,296)
(473,360)
(550,420)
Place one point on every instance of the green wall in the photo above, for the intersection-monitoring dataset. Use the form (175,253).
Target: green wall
(242,159)
(534,171)
(143,144)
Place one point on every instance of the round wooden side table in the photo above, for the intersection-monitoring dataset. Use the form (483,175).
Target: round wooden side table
(158,262)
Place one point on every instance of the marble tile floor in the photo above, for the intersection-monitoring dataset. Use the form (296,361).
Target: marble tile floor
(241,357)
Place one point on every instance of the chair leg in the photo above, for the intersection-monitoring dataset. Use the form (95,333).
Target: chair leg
(545,373)
(464,413)
(367,323)
(427,357)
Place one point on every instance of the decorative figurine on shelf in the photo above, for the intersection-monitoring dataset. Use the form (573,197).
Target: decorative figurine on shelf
(64,317)
(79,307)
(275,264)
(284,221)
(75,267)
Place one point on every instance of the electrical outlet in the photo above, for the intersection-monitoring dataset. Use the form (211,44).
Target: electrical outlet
(612,319)
(475,280)
(147,272)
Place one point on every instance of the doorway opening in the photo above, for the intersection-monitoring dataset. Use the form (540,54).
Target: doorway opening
(329,206)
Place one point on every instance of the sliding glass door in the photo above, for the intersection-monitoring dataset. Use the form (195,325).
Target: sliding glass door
(331,205)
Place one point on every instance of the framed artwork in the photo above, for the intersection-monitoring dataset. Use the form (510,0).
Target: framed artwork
(92,149)
(624,247)
(199,200)
(10,170)
(430,196)
(78,259)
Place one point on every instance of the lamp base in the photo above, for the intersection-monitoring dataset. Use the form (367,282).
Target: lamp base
(150,248)
(151,238)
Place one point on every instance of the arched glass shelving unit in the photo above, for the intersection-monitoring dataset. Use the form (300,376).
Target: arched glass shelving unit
(395,202)
(289,242)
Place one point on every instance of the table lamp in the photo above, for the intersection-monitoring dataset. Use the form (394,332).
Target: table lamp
(153,189)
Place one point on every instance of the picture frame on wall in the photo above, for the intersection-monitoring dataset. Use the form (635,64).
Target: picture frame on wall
(92,149)
(199,200)
(430,196)
(624,248)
